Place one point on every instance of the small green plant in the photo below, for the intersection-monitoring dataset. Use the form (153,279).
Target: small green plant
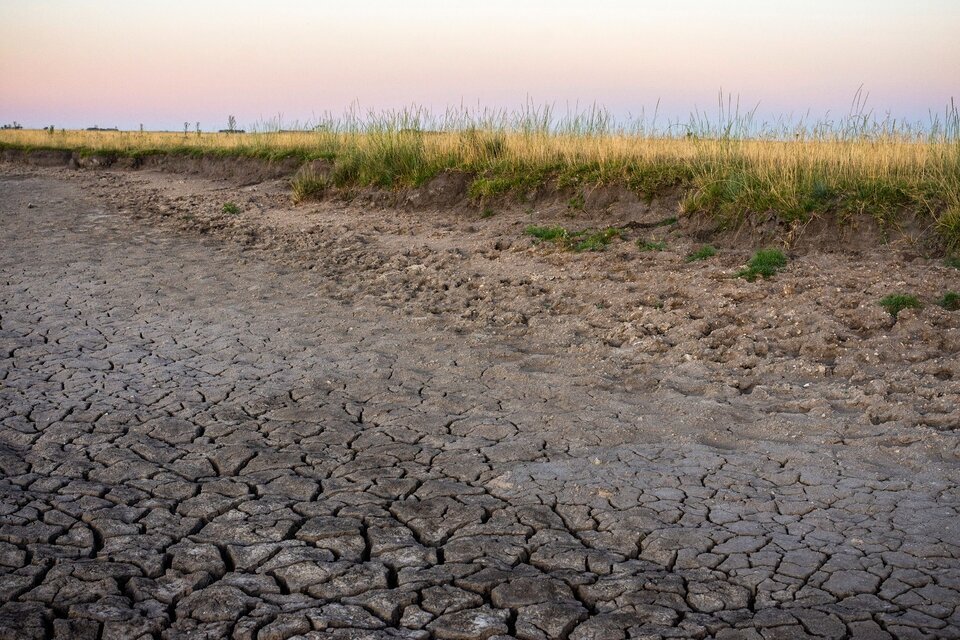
(488,213)
(764,263)
(231,208)
(702,253)
(547,234)
(649,245)
(950,301)
(595,240)
(585,240)
(577,202)
(952,261)
(897,302)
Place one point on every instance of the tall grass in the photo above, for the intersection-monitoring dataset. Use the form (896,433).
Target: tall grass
(728,165)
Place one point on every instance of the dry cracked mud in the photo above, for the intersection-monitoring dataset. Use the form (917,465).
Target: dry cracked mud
(326,430)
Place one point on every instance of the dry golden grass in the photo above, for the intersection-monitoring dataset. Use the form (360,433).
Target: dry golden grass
(878,157)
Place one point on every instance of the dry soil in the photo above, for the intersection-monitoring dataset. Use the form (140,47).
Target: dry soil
(348,420)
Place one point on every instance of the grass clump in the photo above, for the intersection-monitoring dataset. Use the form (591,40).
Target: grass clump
(764,263)
(702,253)
(503,178)
(231,208)
(307,185)
(594,240)
(952,261)
(950,301)
(578,241)
(651,245)
(576,203)
(897,302)
(948,221)
(547,234)
(485,188)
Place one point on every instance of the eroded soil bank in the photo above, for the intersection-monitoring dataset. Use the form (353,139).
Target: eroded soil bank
(337,418)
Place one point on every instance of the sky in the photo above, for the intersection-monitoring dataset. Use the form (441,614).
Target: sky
(79,63)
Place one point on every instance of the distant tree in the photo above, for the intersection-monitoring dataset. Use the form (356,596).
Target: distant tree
(186,128)
(141,127)
(231,123)
(198,128)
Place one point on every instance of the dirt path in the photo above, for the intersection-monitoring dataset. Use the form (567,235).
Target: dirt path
(209,439)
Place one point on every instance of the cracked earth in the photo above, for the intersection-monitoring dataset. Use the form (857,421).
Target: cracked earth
(197,442)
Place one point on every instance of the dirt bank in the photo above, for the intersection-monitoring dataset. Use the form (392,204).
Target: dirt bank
(615,205)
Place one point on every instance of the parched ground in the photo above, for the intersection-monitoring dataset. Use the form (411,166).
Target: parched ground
(339,420)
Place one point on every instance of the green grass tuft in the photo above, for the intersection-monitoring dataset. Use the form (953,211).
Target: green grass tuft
(305,186)
(948,222)
(578,241)
(231,208)
(950,301)
(702,253)
(952,261)
(897,302)
(577,202)
(484,188)
(547,234)
(764,263)
(649,245)
(594,240)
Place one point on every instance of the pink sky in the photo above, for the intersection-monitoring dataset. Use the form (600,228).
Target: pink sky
(79,63)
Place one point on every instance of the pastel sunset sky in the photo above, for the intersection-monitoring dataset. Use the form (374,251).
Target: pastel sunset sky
(76,63)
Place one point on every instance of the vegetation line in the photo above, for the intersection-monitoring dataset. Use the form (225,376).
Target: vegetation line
(732,170)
